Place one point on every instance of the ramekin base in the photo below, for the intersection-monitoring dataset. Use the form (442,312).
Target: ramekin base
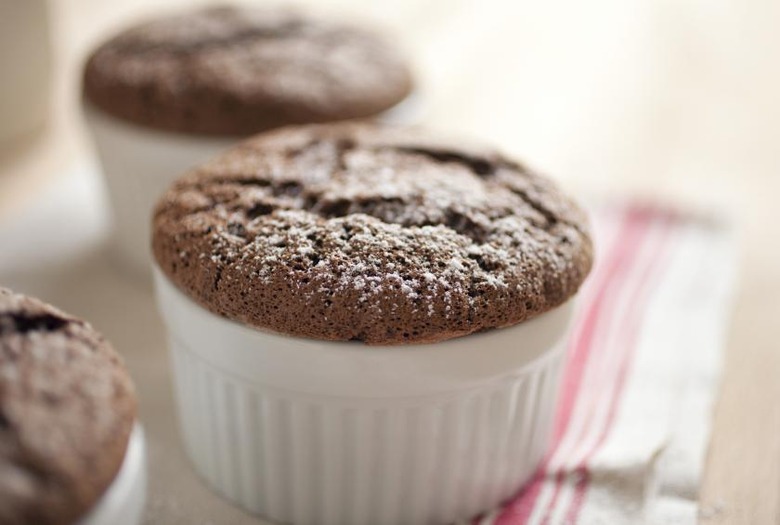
(428,438)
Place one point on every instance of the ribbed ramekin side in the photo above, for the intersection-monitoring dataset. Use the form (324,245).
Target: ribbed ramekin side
(296,458)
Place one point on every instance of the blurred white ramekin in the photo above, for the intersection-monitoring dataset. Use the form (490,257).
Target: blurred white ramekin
(139,163)
(312,432)
(123,502)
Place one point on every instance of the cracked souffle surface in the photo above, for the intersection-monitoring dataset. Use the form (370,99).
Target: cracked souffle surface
(67,408)
(381,235)
(240,70)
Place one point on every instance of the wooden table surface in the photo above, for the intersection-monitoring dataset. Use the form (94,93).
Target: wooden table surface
(674,99)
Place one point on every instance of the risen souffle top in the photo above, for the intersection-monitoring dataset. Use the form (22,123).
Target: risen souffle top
(240,70)
(67,408)
(381,235)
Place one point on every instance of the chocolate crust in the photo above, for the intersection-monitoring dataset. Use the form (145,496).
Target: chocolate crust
(67,408)
(238,71)
(381,235)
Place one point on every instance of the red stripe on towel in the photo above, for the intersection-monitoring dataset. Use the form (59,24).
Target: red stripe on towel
(616,261)
(630,337)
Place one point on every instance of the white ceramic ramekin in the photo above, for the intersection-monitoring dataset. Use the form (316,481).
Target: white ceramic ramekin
(312,432)
(139,163)
(123,502)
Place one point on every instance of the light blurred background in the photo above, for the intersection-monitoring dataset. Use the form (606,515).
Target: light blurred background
(665,96)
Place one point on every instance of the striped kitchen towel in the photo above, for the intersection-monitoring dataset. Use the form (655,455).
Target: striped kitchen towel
(635,406)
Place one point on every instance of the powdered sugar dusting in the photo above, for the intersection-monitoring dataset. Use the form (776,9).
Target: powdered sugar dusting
(358,220)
